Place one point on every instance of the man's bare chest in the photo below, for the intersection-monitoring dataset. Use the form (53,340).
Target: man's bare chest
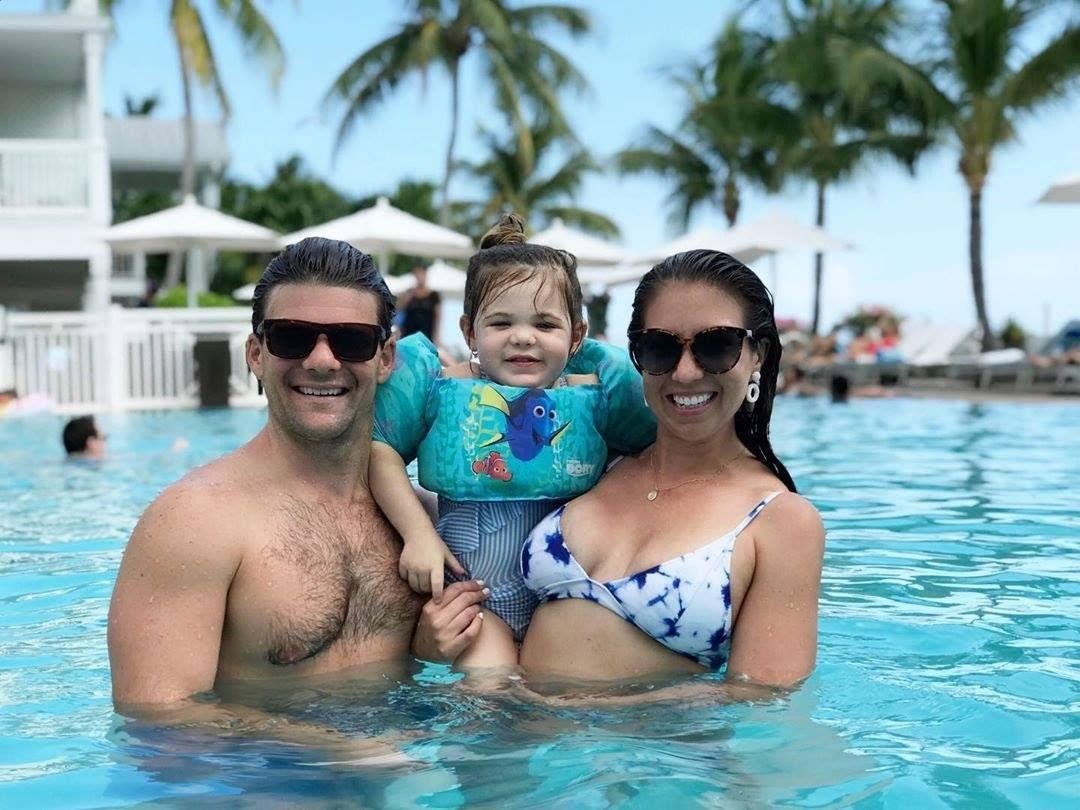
(321,580)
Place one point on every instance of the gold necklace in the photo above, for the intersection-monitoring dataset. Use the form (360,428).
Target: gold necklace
(655,492)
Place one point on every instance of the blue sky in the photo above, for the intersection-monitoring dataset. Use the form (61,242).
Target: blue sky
(911,233)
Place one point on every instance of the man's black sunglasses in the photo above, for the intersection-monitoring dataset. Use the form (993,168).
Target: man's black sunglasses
(294,340)
(716,349)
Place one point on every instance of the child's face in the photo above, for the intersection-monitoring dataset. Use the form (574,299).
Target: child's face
(523,336)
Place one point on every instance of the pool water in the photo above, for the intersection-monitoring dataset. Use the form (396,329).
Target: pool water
(948,670)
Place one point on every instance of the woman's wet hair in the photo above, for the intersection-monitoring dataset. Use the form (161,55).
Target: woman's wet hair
(506,259)
(734,278)
(328,262)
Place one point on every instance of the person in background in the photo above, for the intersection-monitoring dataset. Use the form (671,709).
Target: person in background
(793,383)
(420,307)
(596,305)
(82,439)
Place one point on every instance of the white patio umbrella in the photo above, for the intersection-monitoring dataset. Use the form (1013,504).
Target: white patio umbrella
(383,229)
(441,277)
(186,226)
(700,238)
(589,250)
(245,293)
(778,232)
(193,228)
(1065,190)
(610,276)
(773,233)
(768,235)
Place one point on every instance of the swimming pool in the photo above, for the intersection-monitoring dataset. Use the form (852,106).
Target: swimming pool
(948,671)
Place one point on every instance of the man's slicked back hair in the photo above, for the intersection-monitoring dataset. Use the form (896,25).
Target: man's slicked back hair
(328,262)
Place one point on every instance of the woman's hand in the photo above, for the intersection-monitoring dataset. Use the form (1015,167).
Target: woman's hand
(447,628)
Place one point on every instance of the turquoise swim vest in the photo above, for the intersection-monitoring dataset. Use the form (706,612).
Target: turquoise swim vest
(475,440)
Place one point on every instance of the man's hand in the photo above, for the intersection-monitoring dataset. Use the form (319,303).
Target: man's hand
(423,561)
(447,628)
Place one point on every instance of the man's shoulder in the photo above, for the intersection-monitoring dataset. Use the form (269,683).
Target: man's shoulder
(206,498)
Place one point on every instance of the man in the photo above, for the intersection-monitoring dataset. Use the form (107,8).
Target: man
(82,439)
(274,562)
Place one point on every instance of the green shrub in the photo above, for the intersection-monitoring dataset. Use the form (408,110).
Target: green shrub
(1013,335)
(177,298)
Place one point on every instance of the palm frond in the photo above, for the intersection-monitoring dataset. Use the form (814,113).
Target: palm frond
(565,181)
(1046,75)
(589,221)
(370,77)
(569,19)
(191,39)
(258,36)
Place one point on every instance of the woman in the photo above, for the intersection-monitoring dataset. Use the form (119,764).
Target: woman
(420,307)
(697,553)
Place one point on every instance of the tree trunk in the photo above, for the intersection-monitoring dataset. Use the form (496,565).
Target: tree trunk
(819,261)
(444,203)
(187,171)
(731,201)
(975,249)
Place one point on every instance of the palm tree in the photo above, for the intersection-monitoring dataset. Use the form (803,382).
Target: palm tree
(732,130)
(293,199)
(141,107)
(512,181)
(524,69)
(854,100)
(198,64)
(989,80)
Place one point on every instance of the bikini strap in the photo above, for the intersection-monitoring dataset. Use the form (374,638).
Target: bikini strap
(746,521)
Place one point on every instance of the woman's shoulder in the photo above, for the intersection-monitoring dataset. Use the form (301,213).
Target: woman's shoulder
(792,522)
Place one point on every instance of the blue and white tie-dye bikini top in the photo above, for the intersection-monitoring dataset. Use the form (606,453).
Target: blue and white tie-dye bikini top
(684,603)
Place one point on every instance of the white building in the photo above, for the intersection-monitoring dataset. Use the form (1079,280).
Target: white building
(60,158)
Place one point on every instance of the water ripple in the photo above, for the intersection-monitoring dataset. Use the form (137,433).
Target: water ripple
(949,660)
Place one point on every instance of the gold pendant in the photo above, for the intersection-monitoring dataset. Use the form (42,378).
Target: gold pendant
(653,494)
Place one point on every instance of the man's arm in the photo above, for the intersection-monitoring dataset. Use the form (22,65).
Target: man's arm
(168,605)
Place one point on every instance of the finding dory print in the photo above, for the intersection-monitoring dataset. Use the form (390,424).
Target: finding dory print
(531,421)
(494,466)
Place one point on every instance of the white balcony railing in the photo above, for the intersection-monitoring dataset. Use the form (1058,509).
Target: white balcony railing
(43,174)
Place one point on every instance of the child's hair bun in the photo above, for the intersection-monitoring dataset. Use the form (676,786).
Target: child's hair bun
(510,230)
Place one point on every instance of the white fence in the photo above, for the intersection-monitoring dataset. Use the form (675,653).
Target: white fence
(125,358)
(44,174)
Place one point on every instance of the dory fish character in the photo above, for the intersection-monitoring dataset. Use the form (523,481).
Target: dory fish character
(531,421)
(494,466)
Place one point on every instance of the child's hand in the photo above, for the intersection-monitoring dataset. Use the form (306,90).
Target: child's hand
(423,562)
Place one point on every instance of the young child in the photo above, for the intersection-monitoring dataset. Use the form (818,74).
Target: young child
(504,438)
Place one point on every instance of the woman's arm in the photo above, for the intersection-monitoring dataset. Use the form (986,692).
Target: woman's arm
(774,641)
(425,554)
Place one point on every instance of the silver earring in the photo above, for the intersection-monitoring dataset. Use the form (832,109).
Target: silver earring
(753,389)
(474,364)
